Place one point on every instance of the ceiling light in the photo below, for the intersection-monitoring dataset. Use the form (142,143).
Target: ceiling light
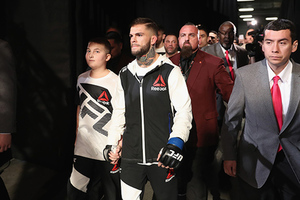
(271,18)
(253,23)
(246,9)
(245,16)
(244,0)
(248,19)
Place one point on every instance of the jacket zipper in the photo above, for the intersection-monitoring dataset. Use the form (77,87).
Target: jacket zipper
(142,114)
(142,119)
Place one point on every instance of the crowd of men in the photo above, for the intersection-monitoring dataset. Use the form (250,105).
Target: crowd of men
(181,93)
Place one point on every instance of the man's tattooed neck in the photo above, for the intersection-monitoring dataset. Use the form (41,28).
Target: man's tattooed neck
(147,60)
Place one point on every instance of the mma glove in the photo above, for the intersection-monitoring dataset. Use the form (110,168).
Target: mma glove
(107,150)
(171,155)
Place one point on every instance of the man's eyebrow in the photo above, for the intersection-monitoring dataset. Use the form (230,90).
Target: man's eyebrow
(282,39)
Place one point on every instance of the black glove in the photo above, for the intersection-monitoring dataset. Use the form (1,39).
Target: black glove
(171,156)
(108,149)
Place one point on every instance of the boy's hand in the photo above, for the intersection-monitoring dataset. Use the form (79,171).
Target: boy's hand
(115,156)
(107,150)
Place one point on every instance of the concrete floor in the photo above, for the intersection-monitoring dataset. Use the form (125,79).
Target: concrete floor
(27,181)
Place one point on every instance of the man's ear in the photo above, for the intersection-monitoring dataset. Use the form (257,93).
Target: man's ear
(295,46)
(153,39)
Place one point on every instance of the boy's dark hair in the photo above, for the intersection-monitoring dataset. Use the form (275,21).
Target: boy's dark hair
(103,41)
(282,24)
(149,23)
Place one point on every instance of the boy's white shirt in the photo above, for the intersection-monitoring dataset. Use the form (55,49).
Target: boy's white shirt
(90,143)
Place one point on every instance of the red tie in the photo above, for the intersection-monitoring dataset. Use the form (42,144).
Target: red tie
(277,103)
(229,65)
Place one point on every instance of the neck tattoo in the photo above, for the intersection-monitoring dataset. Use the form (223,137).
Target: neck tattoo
(147,60)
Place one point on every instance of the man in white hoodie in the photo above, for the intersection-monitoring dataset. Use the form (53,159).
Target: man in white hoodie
(152,111)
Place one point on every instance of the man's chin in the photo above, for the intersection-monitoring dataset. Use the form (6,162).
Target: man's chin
(135,53)
(186,52)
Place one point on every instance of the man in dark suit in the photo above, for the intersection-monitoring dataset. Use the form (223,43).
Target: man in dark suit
(237,57)
(7,107)
(204,75)
(266,157)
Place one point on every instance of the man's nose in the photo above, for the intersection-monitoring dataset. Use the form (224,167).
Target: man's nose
(275,47)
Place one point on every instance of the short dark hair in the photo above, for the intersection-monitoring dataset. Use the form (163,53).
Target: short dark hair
(213,31)
(103,41)
(203,28)
(282,24)
(189,24)
(114,36)
(171,33)
(161,28)
(149,23)
(228,23)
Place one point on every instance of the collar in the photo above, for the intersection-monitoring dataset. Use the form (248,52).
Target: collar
(284,74)
(224,50)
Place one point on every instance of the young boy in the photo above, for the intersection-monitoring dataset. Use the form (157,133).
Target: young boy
(96,87)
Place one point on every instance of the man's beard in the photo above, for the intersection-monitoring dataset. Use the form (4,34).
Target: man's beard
(143,51)
(186,51)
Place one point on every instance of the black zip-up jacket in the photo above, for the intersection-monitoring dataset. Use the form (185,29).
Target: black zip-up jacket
(147,110)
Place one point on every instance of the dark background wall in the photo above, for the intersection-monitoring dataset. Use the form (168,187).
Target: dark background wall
(49,37)
(49,40)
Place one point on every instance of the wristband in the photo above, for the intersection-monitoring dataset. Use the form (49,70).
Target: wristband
(177,142)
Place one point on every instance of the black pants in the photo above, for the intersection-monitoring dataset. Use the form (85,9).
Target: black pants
(281,184)
(91,179)
(197,174)
(134,177)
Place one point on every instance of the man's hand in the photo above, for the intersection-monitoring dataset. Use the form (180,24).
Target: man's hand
(5,141)
(170,157)
(230,167)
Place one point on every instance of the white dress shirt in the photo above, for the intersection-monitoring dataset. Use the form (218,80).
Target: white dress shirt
(231,55)
(284,84)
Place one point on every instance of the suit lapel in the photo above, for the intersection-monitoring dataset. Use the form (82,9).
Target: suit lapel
(238,56)
(294,97)
(220,54)
(263,91)
(196,68)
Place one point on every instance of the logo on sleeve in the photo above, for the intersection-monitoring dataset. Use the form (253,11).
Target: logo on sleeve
(159,84)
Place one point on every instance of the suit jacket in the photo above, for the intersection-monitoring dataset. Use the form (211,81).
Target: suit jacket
(206,76)
(242,59)
(256,150)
